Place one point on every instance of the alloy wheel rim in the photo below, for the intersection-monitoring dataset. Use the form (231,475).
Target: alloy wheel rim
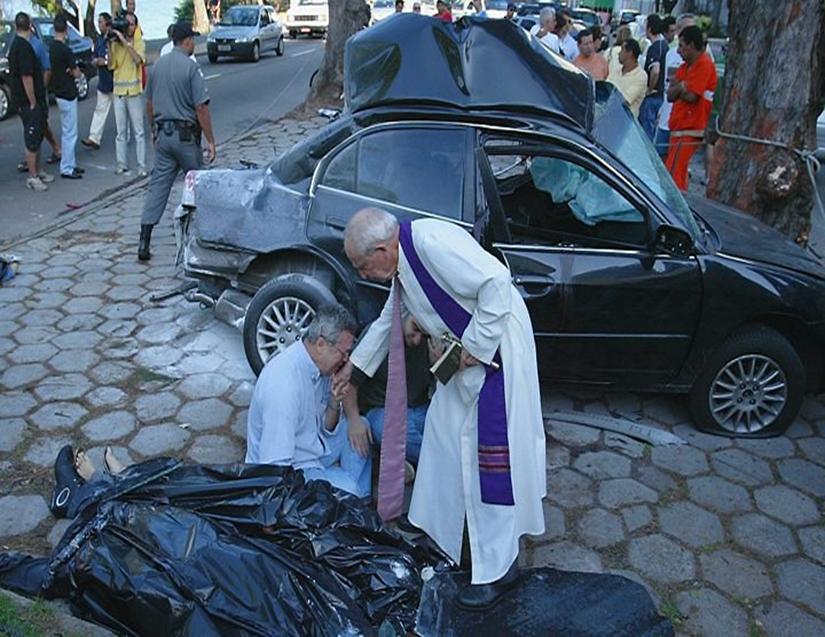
(4,104)
(748,394)
(282,323)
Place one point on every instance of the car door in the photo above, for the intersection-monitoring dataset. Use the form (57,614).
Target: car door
(411,171)
(267,41)
(605,307)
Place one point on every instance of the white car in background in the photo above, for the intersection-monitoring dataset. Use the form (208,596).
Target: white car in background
(307,17)
(382,9)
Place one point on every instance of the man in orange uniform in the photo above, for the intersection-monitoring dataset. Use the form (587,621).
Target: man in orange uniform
(692,95)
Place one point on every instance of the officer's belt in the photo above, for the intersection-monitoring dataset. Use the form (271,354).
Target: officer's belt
(169,126)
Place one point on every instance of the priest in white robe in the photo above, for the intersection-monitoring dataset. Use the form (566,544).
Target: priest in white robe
(501,499)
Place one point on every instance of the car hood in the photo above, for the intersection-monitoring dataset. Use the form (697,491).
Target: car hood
(383,65)
(745,237)
(233,33)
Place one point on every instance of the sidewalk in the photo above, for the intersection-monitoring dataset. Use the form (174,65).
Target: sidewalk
(727,535)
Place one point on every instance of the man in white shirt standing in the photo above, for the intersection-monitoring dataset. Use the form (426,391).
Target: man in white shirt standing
(293,417)
(544,29)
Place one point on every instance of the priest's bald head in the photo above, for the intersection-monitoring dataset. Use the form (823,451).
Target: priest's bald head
(371,243)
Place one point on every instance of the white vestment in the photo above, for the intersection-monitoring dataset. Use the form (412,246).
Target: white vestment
(447,482)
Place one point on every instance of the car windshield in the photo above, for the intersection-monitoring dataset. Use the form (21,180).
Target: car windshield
(497,5)
(240,17)
(620,133)
(307,2)
(589,19)
(46,30)
(383,4)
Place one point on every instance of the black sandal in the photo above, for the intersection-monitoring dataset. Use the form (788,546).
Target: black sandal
(54,159)
(66,482)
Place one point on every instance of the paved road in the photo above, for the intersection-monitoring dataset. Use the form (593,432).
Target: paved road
(243,95)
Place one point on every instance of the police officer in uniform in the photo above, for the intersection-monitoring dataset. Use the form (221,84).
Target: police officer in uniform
(177,104)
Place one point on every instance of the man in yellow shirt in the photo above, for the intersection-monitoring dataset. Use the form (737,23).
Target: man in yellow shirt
(632,79)
(127,55)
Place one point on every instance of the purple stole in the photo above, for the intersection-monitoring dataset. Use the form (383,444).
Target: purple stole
(493,450)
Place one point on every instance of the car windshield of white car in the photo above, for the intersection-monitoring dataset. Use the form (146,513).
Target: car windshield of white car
(240,17)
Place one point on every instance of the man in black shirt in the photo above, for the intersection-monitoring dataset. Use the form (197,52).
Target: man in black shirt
(655,69)
(29,96)
(64,72)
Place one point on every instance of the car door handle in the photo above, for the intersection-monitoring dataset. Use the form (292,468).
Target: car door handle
(533,285)
(337,222)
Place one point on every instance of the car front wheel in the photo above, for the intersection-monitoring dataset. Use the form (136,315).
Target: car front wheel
(213,57)
(279,314)
(256,52)
(279,50)
(82,84)
(751,387)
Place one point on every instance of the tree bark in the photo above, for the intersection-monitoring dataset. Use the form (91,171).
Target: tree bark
(774,89)
(201,20)
(89,19)
(345,18)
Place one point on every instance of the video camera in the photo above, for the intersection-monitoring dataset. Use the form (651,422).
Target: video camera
(119,23)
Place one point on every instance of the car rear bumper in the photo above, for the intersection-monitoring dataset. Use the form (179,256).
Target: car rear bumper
(239,49)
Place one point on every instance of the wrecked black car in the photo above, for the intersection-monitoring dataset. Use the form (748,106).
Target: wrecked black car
(629,284)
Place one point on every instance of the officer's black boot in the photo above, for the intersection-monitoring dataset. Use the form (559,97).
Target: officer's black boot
(483,596)
(143,245)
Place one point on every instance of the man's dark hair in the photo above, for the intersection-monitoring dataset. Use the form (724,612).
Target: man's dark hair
(397,2)
(631,46)
(655,24)
(169,31)
(561,21)
(60,23)
(584,33)
(107,17)
(22,22)
(693,35)
(668,21)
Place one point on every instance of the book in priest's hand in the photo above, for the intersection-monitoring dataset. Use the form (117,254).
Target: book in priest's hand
(450,360)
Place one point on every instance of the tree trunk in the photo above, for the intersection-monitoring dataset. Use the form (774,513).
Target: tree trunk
(115,7)
(89,19)
(716,14)
(668,5)
(201,20)
(774,89)
(345,18)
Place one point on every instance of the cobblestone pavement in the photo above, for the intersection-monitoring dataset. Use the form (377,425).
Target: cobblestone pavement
(727,535)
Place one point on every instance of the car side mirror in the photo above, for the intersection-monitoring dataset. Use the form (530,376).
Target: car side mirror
(673,240)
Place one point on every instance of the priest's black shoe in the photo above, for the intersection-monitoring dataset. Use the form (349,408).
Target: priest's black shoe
(66,482)
(480,596)
(145,239)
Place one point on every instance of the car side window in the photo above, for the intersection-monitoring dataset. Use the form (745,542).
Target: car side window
(548,200)
(418,168)
(264,18)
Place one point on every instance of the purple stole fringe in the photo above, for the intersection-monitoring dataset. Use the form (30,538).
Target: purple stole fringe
(493,450)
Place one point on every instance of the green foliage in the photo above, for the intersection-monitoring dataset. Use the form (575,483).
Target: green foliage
(32,621)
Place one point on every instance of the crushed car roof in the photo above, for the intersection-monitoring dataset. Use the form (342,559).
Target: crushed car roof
(474,64)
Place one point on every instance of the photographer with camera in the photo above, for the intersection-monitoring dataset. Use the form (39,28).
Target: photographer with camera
(127,55)
(178,106)
(105,84)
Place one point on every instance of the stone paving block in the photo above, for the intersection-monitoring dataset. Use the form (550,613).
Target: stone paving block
(45,300)
(553,400)
(655,478)
(813,542)
(62,387)
(126,293)
(60,415)
(572,435)
(802,581)
(158,333)
(719,494)
(557,456)
(624,405)
(215,450)
(701,440)
(635,517)
(682,460)
(624,444)
(35,353)
(34,335)
(117,328)
(781,619)
(199,363)
(603,464)
(566,556)
(157,316)
(661,559)
(158,357)
(812,410)
(799,428)
(110,426)
(21,375)
(554,525)
(621,492)
(599,528)
(762,535)
(75,322)
(130,279)
(84,305)
(111,372)
(11,311)
(21,514)
(669,410)
(205,414)
(122,310)
(89,288)
(239,424)
(6,345)
(690,524)
(11,433)
(16,403)
(56,284)
(14,294)
(96,454)
(57,532)
(804,475)
(43,451)
(711,615)
(155,440)
(237,371)
(119,348)
(242,394)
(106,397)
(74,360)
(813,448)
(778,447)
(80,339)
(739,466)
(737,575)
(209,385)
(156,406)
(787,505)
(569,489)
(39,318)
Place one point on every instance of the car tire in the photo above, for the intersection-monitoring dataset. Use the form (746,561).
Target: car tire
(213,58)
(756,371)
(256,52)
(279,49)
(5,102)
(82,84)
(264,333)
(293,35)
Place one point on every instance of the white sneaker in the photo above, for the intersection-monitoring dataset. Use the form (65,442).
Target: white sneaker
(142,173)
(45,177)
(35,183)
(122,170)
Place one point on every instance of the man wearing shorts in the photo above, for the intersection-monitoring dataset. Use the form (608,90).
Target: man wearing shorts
(29,96)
